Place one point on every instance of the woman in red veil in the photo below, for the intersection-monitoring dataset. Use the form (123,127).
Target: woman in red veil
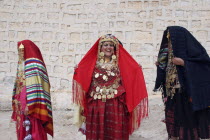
(31,103)
(109,92)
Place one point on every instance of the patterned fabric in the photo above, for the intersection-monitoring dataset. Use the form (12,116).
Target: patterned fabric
(178,83)
(107,120)
(33,76)
(38,90)
(172,81)
(162,57)
(131,79)
(106,83)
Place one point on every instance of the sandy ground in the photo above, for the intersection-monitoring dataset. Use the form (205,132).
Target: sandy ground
(151,128)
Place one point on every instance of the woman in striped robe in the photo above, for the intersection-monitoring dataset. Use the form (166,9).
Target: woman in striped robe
(31,101)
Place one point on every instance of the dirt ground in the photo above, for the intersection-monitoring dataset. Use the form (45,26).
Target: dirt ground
(151,128)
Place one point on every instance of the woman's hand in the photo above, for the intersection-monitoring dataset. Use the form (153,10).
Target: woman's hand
(178,61)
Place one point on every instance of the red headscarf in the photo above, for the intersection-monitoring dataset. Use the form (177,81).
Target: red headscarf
(132,80)
(38,97)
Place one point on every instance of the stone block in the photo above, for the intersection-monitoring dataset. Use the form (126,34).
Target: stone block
(47,35)
(120,15)
(61,36)
(165,2)
(21,35)
(183,23)
(59,69)
(74,36)
(82,16)
(120,23)
(3,34)
(111,15)
(13,66)
(87,35)
(71,47)
(196,23)
(65,84)
(46,46)
(134,5)
(62,46)
(179,13)
(149,24)
(202,34)
(54,58)
(12,56)
(74,7)
(135,47)
(35,35)
(3,24)
(128,35)
(67,59)
(3,57)
(142,35)
(122,5)
(53,15)
(69,17)
(112,6)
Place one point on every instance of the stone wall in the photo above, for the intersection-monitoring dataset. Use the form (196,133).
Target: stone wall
(64,30)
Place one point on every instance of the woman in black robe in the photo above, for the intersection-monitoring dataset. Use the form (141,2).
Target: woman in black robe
(183,75)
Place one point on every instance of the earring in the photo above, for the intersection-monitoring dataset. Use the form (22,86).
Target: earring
(101,57)
(114,57)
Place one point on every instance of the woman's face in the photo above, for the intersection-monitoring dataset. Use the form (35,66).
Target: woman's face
(108,48)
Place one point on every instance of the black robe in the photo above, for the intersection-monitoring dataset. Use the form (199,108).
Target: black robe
(194,77)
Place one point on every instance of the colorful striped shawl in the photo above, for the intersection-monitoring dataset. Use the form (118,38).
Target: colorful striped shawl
(38,92)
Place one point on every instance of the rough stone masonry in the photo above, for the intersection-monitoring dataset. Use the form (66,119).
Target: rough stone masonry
(64,30)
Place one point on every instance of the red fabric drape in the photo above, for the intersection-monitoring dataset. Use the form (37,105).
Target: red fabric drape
(32,51)
(132,78)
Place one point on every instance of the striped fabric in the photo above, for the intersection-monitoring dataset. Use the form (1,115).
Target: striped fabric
(38,92)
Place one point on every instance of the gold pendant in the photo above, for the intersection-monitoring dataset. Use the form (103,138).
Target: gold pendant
(105,77)
(102,61)
(115,91)
(97,89)
(111,90)
(104,91)
(109,96)
(91,94)
(103,98)
(112,74)
(107,91)
(96,75)
(112,95)
(99,96)
(101,90)
(95,97)
(114,57)
(114,86)
(101,54)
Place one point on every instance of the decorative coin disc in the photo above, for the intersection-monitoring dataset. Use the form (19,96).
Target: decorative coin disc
(115,91)
(91,94)
(97,89)
(101,54)
(112,74)
(96,75)
(99,96)
(95,97)
(114,57)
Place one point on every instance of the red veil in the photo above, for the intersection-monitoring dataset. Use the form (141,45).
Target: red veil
(132,80)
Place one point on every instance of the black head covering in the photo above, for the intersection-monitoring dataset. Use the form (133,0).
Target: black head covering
(194,77)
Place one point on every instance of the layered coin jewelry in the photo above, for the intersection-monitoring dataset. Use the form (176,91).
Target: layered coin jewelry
(105,82)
